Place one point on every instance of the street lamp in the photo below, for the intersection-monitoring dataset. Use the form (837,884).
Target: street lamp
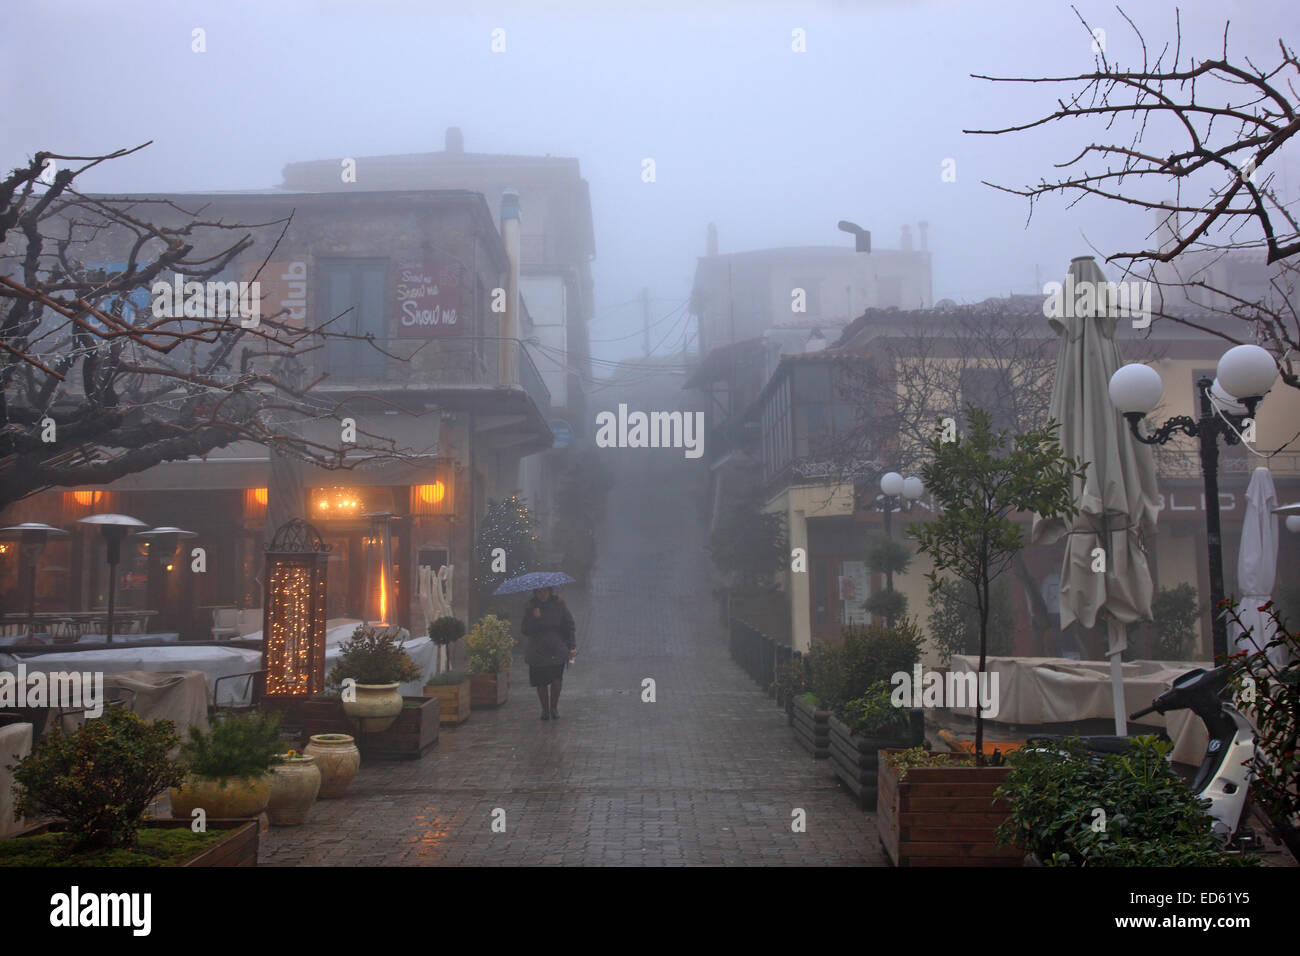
(1245,374)
(113,528)
(32,535)
(894,486)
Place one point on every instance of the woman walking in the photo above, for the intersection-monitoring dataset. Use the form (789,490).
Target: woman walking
(549,627)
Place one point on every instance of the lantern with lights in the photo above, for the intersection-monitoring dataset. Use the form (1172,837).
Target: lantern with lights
(293,615)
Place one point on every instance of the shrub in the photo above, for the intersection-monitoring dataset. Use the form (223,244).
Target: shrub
(904,760)
(868,655)
(99,779)
(791,680)
(824,672)
(873,714)
(887,603)
(491,645)
(446,679)
(1151,817)
(373,656)
(1176,614)
(446,630)
(243,745)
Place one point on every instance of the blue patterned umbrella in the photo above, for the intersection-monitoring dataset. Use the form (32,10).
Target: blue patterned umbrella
(532,581)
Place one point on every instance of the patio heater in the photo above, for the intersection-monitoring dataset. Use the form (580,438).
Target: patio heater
(32,536)
(113,528)
(293,615)
(164,543)
(381,535)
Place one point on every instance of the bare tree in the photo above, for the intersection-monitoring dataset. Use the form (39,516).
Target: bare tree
(1227,120)
(92,387)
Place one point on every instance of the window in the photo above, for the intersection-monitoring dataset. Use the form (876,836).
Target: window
(990,389)
(354,290)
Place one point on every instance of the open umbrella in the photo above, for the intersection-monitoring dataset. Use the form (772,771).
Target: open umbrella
(532,581)
(1257,567)
(1118,499)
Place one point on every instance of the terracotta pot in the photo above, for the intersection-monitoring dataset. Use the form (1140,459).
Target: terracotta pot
(294,785)
(230,798)
(337,759)
(376,706)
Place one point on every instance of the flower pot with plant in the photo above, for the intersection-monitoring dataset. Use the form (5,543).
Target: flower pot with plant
(372,666)
(491,648)
(444,632)
(295,783)
(859,730)
(228,767)
(452,690)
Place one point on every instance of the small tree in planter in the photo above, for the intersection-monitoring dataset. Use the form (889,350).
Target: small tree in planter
(886,556)
(452,689)
(99,779)
(444,632)
(491,650)
(980,480)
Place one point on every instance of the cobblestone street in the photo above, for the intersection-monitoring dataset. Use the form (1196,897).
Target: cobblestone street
(707,774)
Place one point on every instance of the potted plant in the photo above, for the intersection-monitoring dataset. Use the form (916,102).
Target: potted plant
(1069,807)
(371,667)
(452,690)
(859,730)
(98,783)
(228,767)
(295,782)
(491,649)
(444,632)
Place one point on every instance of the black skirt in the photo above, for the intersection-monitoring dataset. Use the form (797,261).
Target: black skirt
(543,676)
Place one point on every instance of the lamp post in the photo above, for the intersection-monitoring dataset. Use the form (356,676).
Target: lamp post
(113,528)
(893,486)
(32,536)
(1227,404)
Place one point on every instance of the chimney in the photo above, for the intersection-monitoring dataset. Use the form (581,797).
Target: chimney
(923,228)
(508,353)
(712,244)
(905,240)
(455,141)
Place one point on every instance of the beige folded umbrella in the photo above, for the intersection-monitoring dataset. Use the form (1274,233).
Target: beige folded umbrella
(1118,500)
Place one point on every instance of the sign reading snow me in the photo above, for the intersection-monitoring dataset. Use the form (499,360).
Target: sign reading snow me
(428,298)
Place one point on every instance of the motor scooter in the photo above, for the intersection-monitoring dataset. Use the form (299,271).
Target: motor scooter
(1223,777)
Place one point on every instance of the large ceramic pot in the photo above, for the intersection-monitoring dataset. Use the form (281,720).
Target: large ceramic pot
(337,759)
(376,706)
(221,799)
(294,785)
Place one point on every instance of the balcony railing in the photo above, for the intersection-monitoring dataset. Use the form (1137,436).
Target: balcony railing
(531,380)
(1186,463)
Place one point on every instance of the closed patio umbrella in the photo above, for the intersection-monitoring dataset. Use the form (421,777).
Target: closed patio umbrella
(1118,499)
(1257,568)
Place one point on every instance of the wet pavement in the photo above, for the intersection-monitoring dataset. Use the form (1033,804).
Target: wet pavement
(707,774)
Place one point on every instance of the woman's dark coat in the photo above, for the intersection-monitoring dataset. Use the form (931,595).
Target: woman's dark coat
(551,636)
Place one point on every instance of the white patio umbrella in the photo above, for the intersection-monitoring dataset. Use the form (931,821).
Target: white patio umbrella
(1257,568)
(1118,500)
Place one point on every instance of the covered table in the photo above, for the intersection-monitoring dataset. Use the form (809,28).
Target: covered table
(1057,690)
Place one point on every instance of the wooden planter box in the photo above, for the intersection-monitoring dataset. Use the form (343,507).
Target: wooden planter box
(454,700)
(488,690)
(309,715)
(239,848)
(410,736)
(811,728)
(937,816)
(854,760)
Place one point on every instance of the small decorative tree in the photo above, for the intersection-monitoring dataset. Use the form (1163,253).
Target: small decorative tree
(886,556)
(1176,613)
(981,481)
(747,543)
(444,632)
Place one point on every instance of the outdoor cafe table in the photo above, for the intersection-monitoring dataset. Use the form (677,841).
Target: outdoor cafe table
(1051,690)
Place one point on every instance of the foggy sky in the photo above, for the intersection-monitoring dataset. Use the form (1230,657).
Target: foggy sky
(773,146)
